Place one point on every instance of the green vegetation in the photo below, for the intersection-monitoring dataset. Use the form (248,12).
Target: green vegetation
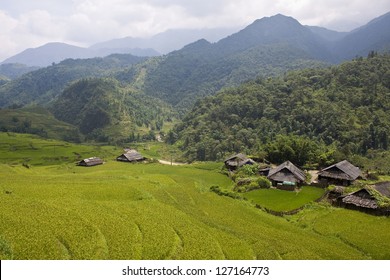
(103,110)
(32,150)
(39,121)
(152,211)
(44,85)
(308,116)
(279,200)
(365,233)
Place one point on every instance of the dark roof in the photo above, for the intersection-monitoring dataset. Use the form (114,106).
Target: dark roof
(238,160)
(90,161)
(343,170)
(131,155)
(362,198)
(279,173)
(383,188)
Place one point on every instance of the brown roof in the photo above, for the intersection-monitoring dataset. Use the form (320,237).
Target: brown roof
(92,161)
(131,155)
(383,188)
(343,170)
(287,172)
(362,198)
(238,160)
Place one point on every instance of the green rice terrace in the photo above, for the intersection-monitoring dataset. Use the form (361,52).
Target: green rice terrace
(52,209)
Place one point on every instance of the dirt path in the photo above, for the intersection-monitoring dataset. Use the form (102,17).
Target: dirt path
(169,163)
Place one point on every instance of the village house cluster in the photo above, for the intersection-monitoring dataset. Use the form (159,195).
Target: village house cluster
(287,176)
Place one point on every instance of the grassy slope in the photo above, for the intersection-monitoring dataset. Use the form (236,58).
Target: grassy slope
(151,211)
(279,200)
(38,119)
(33,150)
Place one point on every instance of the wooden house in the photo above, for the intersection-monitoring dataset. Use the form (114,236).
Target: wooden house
(131,156)
(342,173)
(236,161)
(286,176)
(93,161)
(359,199)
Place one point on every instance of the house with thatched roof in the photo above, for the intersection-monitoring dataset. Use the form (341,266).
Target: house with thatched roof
(287,175)
(92,161)
(238,160)
(342,173)
(131,156)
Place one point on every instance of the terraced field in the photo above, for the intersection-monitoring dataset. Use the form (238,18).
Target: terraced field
(279,200)
(154,211)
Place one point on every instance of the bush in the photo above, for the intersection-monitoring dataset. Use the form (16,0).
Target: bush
(264,183)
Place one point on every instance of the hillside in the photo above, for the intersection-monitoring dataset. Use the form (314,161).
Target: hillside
(373,36)
(39,121)
(14,70)
(103,110)
(44,85)
(305,116)
(50,53)
(268,47)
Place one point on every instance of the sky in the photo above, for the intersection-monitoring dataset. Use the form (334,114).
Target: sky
(32,23)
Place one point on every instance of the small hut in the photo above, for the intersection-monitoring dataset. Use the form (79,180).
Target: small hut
(92,161)
(359,200)
(131,156)
(236,161)
(342,173)
(286,176)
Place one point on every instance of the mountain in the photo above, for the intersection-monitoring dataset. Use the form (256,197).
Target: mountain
(104,110)
(167,41)
(145,47)
(267,47)
(374,36)
(15,70)
(44,85)
(329,35)
(275,30)
(306,115)
(48,54)
(56,52)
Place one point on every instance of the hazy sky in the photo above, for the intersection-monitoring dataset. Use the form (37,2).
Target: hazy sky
(31,23)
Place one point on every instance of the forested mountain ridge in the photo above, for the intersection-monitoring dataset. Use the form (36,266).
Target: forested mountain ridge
(104,110)
(270,46)
(44,85)
(303,116)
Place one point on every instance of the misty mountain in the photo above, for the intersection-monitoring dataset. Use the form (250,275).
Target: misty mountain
(327,34)
(270,46)
(48,54)
(167,41)
(144,47)
(44,85)
(56,52)
(374,36)
(15,70)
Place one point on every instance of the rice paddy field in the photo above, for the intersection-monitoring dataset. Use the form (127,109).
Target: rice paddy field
(279,200)
(53,210)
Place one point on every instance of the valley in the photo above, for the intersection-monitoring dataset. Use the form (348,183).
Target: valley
(152,211)
(277,91)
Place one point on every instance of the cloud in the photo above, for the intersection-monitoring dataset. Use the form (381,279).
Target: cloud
(84,22)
